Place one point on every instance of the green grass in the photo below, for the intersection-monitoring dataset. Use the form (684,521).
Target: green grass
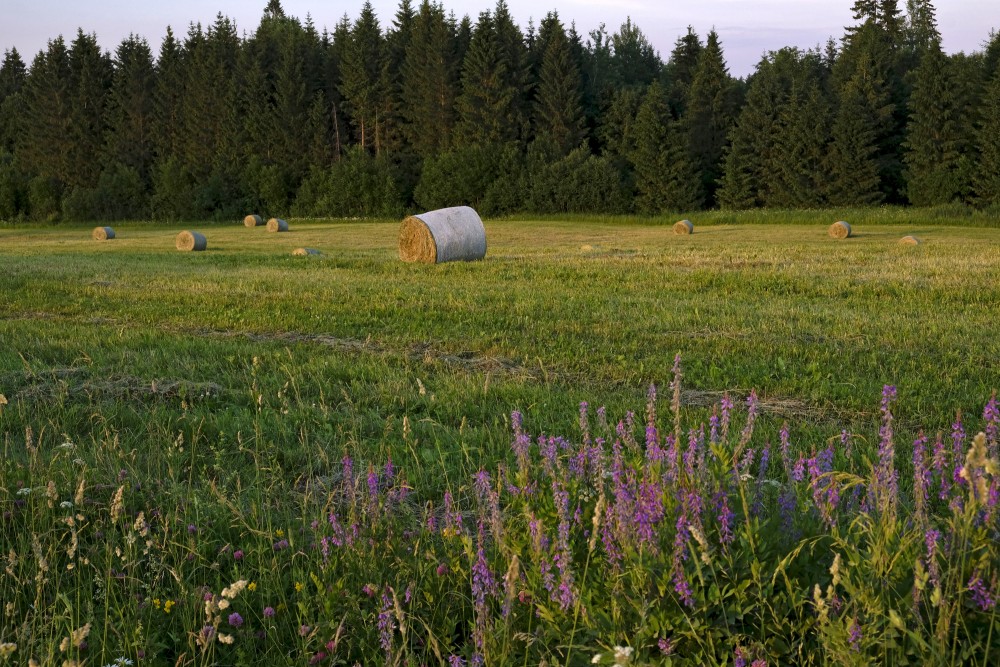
(221,390)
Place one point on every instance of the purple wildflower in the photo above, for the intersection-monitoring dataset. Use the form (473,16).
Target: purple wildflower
(386,626)
(584,423)
(757,508)
(739,658)
(235,619)
(369,589)
(958,450)
(854,636)
(931,539)
(713,423)
(208,632)
(991,415)
(318,658)
(786,449)
(921,477)
(751,418)
(192,529)
(787,502)
(885,482)
(347,471)
(675,399)
(982,596)
(442,569)
(845,443)
(238,554)
(456,661)
(666,645)
(304,630)
(725,517)
(483,584)
(268,612)
(759,662)
(726,406)
(521,445)
(373,486)
(280,545)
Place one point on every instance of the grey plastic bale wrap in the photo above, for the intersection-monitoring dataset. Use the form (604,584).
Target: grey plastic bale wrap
(102,233)
(452,234)
(191,241)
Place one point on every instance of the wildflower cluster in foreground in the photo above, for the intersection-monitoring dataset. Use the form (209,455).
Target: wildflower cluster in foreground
(638,541)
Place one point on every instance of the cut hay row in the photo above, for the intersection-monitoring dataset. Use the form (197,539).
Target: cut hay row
(253,221)
(445,235)
(191,241)
(277,225)
(102,233)
(683,227)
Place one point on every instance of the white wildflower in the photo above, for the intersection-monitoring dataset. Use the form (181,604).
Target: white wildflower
(623,655)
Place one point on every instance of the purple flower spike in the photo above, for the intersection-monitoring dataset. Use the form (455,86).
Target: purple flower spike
(235,620)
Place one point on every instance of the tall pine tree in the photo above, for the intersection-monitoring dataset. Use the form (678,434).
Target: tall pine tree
(430,78)
(361,81)
(558,117)
(129,139)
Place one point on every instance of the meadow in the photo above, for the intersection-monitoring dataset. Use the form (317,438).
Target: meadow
(751,445)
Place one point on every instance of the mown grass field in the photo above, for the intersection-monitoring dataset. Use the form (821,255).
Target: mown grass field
(229,384)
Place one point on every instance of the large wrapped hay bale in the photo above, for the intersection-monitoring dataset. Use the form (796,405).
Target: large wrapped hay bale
(683,227)
(277,225)
(305,252)
(445,235)
(253,221)
(910,240)
(189,241)
(102,233)
(839,230)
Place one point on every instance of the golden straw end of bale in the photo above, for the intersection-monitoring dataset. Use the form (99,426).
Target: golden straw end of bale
(277,225)
(253,220)
(305,252)
(102,233)
(910,240)
(839,230)
(683,227)
(191,241)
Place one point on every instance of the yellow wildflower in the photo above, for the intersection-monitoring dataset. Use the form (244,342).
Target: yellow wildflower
(7,648)
(299,586)
(252,586)
(279,532)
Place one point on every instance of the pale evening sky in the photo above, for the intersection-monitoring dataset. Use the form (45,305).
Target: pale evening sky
(747,29)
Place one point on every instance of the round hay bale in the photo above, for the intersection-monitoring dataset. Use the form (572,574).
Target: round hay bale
(102,233)
(445,235)
(277,225)
(910,240)
(305,252)
(188,241)
(253,221)
(839,230)
(683,227)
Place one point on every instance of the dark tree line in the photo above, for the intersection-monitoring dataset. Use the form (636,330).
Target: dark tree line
(433,110)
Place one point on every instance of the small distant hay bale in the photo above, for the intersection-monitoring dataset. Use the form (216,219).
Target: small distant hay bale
(587,248)
(445,235)
(277,225)
(683,227)
(190,241)
(305,252)
(102,233)
(253,221)
(910,240)
(839,230)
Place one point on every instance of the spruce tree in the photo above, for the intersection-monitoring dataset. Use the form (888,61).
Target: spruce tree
(45,142)
(558,118)
(129,138)
(13,74)
(665,179)
(679,70)
(635,62)
(752,141)
(489,107)
(852,163)
(711,112)
(938,167)
(361,81)
(429,79)
(920,32)
(168,93)
(986,178)
(795,176)
(90,81)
